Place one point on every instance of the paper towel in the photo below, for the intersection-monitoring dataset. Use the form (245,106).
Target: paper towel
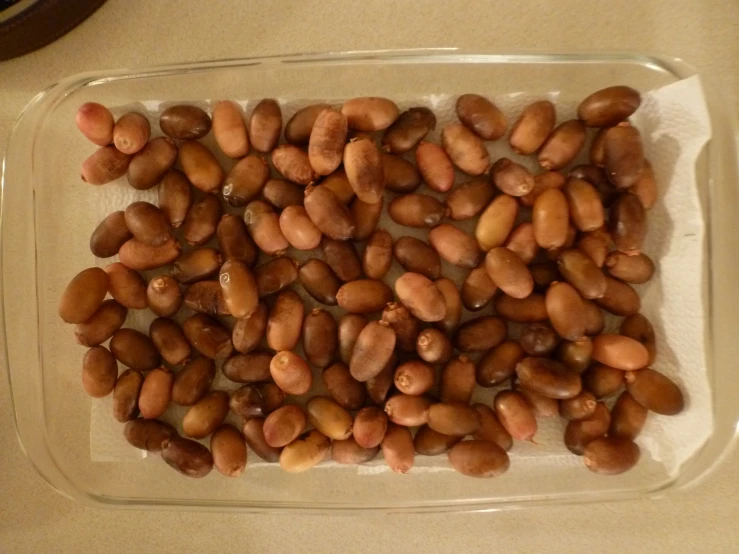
(675,126)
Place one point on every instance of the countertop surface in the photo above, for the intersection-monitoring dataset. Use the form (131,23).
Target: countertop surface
(34,518)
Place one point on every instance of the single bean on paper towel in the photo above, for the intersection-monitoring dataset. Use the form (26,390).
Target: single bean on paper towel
(397,359)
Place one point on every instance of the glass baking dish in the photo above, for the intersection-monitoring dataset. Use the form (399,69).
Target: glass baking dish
(48,214)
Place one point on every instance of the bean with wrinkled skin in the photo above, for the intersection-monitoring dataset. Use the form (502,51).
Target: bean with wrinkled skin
(480,334)
(414,377)
(364,296)
(581,406)
(580,271)
(379,386)
(435,167)
(550,217)
(608,106)
(229,451)
(562,145)
(498,364)
(105,165)
(338,183)
(428,442)
(408,130)
(208,337)
(531,309)
(175,197)
(263,225)
(628,223)
(421,296)
(509,272)
(300,125)
(476,458)
(99,372)
(196,265)
(372,350)
(326,143)
(193,381)
(284,425)
(455,246)
(496,222)
(249,331)
(636,268)
(417,256)
(542,181)
(401,176)
(515,415)
(465,149)
(83,295)
(585,206)
(656,392)
(202,220)
(205,415)
(478,289)
(369,428)
(164,296)
(481,116)
(579,433)
(342,387)
(364,170)
(187,457)
(469,199)
(576,354)
(291,373)
(148,434)
(320,341)
(417,210)
(365,217)
(256,400)
(405,325)
(229,129)
(265,124)
(532,128)
(538,339)
(245,180)
(282,193)
(378,254)
(126,395)
(206,297)
(110,234)
(151,163)
(156,392)
(328,213)
(248,368)
(170,341)
(254,436)
(126,286)
(620,298)
(275,275)
(134,349)
(184,121)
(370,113)
(611,455)
(543,406)
(200,166)
(548,378)
(95,122)
(397,448)
(566,311)
(491,429)
(293,164)
(623,155)
(603,380)
(319,281)
(305,452)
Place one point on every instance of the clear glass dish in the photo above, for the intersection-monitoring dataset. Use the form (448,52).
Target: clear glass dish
(47,218)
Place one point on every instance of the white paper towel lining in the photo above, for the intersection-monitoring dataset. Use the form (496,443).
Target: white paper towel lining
(675,126)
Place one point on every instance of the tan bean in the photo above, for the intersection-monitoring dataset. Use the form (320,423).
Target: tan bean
(164,296)
(532,127)
(338,183)
(417,210)
(293,164)
(156,392)
(515,415)
(202,220)
(105,165)
(208,337)
(623,156)
(285,321)
(408,130)
(263,225)
(378,254)
(329,418)
(284,425)
(369,427)
(620,352)
(300,125)
(628,223)
(579,433)
(620,298)
(465,149)
(481,116)
(248,368)
(414,377)
(275,275)
(305,452)
(603,380)
(206,297)
(326,143)
(656,392)
(408,410)
(455,246)
(319,281)
(169,341)
(110,234)
(563,145)
(498,364)
(608,106)
(265,124)
(282,193)
(577,354)
(364,170)
(496,222)
(542,181)
(550,217)
(531,309)
(134,349)
(291,373)
(197,265)
(148,434)
(200,166)
(126,395)
(480,334)
(548,378)
(239,288)
(508,272)
(372,350)
(417,256)
(452,305)
(428,442)
(370,113)
(205,415)
(175,197)
(83,295)
(435,166)
(126,286)
(400,175)
(478,289)
(95,122)
(193,381)
(597,147)
(229,129)
(254,436)
(421,296)
(364,296)
(245,180)
(538,339)
(491,429)
(581,406)
(566,311)
(187,457)
(379,386)
(256,400)
(249,331)
(640,329)
(594,320)
(99,372)
(328,213)
(229,451)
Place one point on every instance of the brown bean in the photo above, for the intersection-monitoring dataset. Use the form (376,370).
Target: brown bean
(640,329)
(544,274)
(131,132)
(184,121)
(620,352)
(95,122)
(99,372)
(328,213)
(455,246)
(379,386)
(543,406)
(264,228)
(248,368)
(496,222)
(102,324)
(197,265)
(320,341)
(397,448)
(628,223)
(350,325)
(148,434)
(596,245)
(370,113)
(254,436)
(83,295)
(405,325)
(538,339)
(656,392)
(291,372)
(364,169)
(136,255)
(480,334)
(620,298)
(401,176)
(175,197)
(364,296)
(476,458)
(417,210)
(369,427)
(414,377)
(465,149)
(326,143)
(435,166)
(408,410)
(156,392)
(256,400)
(579,433)
(469,199)
(408,130)
(245,180)
(478,289)
(581,406)
(585,206)
(293,164)
(498,364)
(349,452)
(249,331)
(637,268)
(515,415)
(597,147)
(202,220)
(603,380)
(580,271)
(542,181)
(576,354)
(170,341)
(105,165)
(281,193)
(265,124)
(110,234)
(378,254)
(126,286)
(200,166)
(623,156)
(338,183)
(566,311)
(229,451)
(342,387)
(187,457)
(457,380)
(229,129)
(508,272)
(372,350)
(481,116)
(417,256)
(134,349)
(532,127)
(550,217)
(239,288)
(342,257)
(300,125)
(611,455)
(562,145)
(151,163)
(329,418)
(433,346)
(305,452)
(208,337)
(163,296)
(553,253)
(608,106)
(521,241)
(421,296)
(491,429)
(206,297)
(452,305)
(284,425)
(205,415)
(275,275)
(428,442)
(285,321)
(193,381)
(319,281)
(512,178)
(126,395)
(594,320)
(548,378)
(627,417)
(531,309)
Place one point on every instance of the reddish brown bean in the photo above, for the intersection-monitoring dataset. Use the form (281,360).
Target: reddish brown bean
(408,410)
(263,225)
(364,296)
(196,265)
(602,380)
(148,434)
(365,217)
(550,217)
(512,178)
(608,106)
(99,372)
(364,169)
(585,206)
(110,234)
(126,395)
(379,386)
(581,406)
(421,296)
(465,149)
(542,181)
(515,415)
(566,311)
(580,271)
(491,429)
(640,329)
(105,165)
(478,289)
(405,325)
(248,368)
(498,364)
(531,309)
(627,417)
(229,129)
(452,305)
(202,220)
(156,392)
(469,199)
(134,349)
(401,176)
(131,132)
(326,143)
(350,325)
(435,166)
(370,113)
(620,298)
(206,297)
(83,295)
(457,380)
(623,155)
(433,346)
(620,352)
(369,428)
(328,213)
(576,355)
(291,373)
(509,272)
(637,268)
(611,455)
(372,350)
(254,435)
(628,223)
(417,256)
(397,448)
(455,246)
(293,164)
(126,286)
(265,124)
(548,378)
(414,377)
(417,210)
(201,166)
(480,334)
(538,339)
(532,127)
(249,331)
(164,296)
(342,387)
(378,254)
(284,425)
(208,337)
(95,122)
(300,125)
(656,392)
(281,193)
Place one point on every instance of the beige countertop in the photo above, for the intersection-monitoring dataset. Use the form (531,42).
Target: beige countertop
(34,518)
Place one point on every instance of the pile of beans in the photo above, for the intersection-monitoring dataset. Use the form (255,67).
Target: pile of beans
(551,251)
